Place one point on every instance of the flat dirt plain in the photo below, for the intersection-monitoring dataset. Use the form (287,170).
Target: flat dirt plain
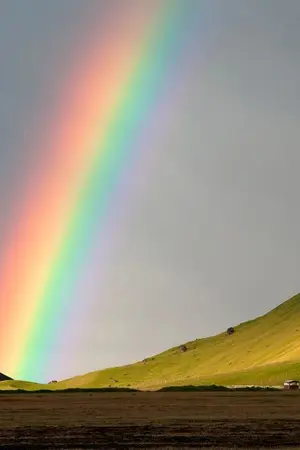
(150,420)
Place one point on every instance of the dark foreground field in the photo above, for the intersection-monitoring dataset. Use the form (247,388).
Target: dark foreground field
(150,420)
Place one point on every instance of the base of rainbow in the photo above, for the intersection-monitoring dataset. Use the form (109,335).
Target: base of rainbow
(109,106)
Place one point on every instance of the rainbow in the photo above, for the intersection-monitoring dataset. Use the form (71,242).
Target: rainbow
(95,137)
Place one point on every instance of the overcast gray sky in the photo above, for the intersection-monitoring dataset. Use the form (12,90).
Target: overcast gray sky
(213,238)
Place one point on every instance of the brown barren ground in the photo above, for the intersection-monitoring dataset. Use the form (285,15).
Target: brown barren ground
(150,420)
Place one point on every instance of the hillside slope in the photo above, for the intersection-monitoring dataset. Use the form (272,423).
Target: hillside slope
(262,351)
(14,385)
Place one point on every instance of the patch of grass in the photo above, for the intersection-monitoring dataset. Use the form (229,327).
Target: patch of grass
(15,385)
(215,388)
(193,388)
(65,391)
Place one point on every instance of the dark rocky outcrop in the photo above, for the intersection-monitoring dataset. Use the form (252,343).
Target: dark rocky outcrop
(4,377)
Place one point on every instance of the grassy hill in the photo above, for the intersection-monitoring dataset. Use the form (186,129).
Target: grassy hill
(14,385)
(263,351)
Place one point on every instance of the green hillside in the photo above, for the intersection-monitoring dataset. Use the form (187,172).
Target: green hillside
(263,351)
(14,385)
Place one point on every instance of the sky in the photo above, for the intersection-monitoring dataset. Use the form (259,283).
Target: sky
(212,238)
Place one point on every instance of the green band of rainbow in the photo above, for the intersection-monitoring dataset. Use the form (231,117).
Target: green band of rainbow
(70,207)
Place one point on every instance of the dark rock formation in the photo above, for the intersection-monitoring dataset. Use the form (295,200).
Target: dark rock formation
(4,377)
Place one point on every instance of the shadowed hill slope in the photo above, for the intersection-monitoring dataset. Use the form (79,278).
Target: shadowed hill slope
(262,351)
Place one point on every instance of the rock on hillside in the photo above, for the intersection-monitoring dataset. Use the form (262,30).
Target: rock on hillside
(4,377)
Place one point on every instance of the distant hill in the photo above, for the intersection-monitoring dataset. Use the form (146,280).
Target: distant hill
(4,377)
(263,351)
